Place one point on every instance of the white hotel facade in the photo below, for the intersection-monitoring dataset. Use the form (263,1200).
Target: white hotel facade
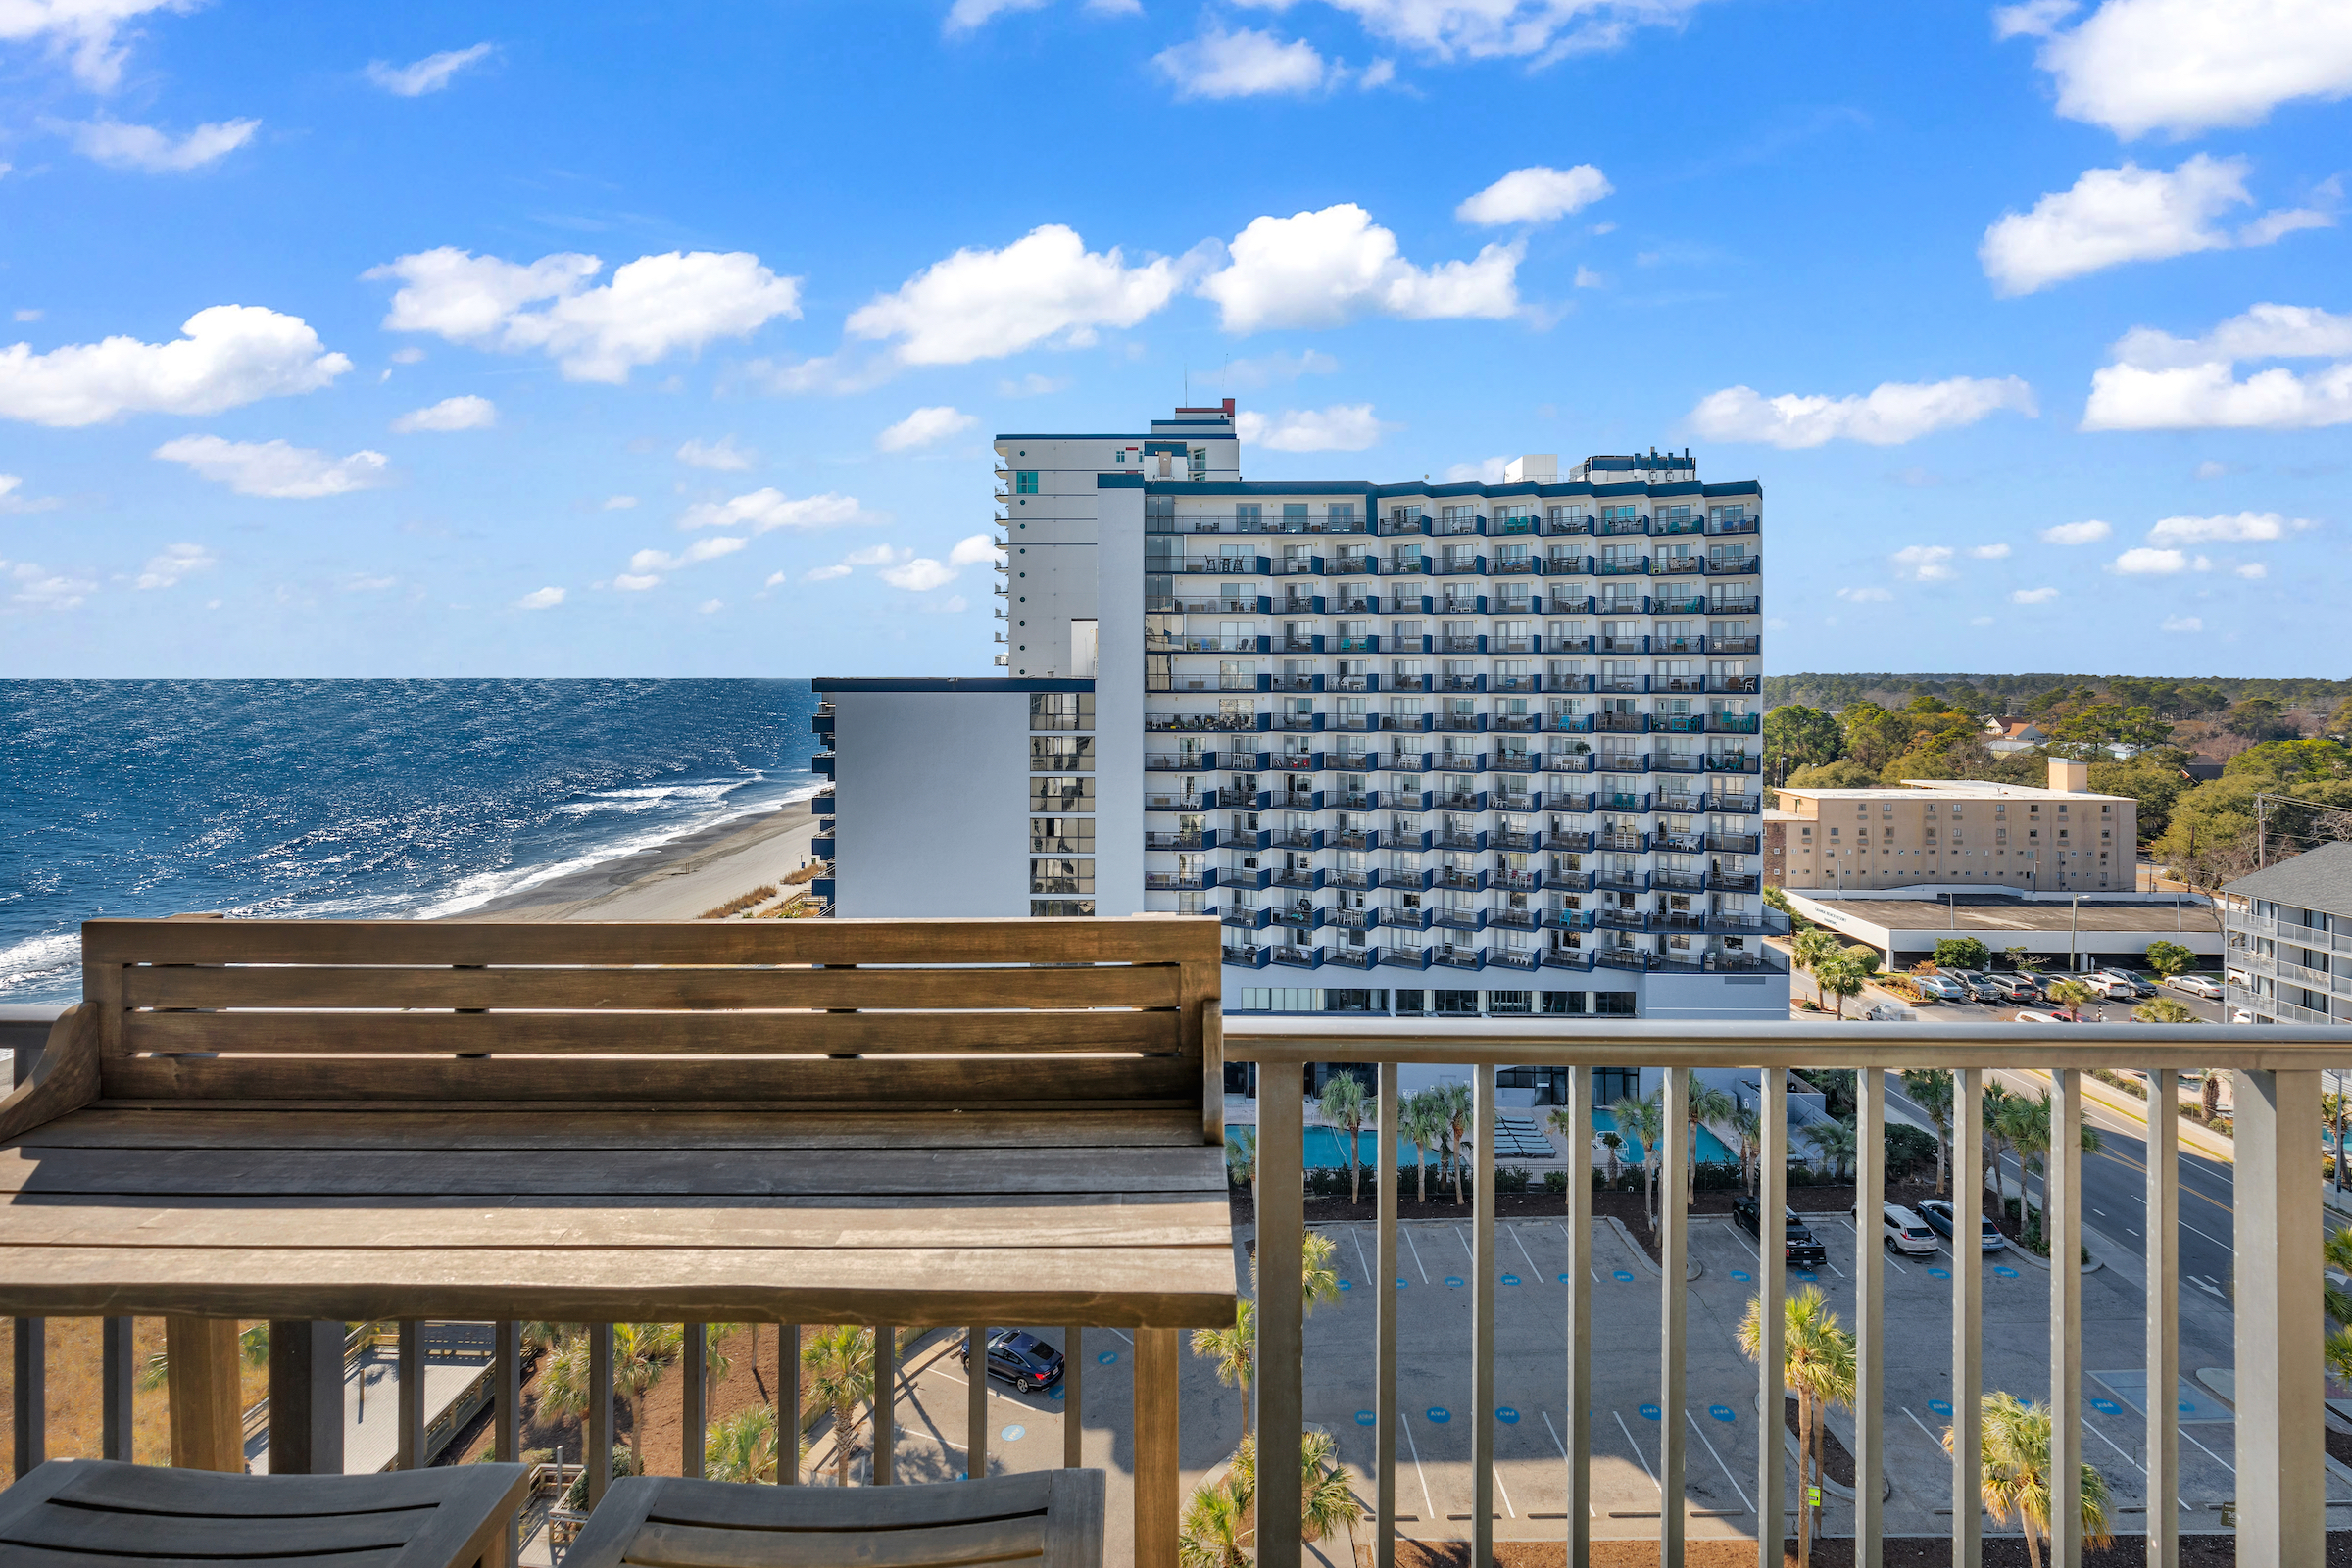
(1461,749)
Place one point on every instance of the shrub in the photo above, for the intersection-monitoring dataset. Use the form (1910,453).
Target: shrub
(1908,1148)
(1510,1178)
(1557,1182)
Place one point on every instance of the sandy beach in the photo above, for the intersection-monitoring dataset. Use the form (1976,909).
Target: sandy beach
(675,881)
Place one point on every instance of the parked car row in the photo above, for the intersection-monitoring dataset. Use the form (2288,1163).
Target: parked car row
(1901,1229)
(2012,988)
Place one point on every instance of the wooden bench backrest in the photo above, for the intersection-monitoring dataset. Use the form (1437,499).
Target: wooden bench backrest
(1035,1015)
(1044,1519)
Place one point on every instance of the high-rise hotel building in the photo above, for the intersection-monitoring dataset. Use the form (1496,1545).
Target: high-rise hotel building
(1419,747)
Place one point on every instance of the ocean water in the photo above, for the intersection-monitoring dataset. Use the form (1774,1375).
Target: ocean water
(356,799)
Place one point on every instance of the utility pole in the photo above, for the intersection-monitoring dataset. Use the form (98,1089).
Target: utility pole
(2074,958)
(2261,833)
(1952,902)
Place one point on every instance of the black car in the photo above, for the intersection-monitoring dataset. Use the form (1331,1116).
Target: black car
(1800,1246)
(1019,1359)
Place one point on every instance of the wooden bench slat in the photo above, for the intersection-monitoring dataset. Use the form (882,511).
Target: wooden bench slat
(95,1483)
(1122,1220)
(165,1126)
(106,943)
(347,986)
(25,1556)
(651,1033)
(1169,1286)
(110,1531)
(748,1175)
(926,1546)
(677,1500)
(1087,1083)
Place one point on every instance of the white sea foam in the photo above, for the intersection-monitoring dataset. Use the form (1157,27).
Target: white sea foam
(39,958)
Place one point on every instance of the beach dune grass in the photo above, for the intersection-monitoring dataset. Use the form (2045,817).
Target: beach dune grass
(72,1368)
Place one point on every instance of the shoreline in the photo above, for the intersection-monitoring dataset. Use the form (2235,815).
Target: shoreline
(673,881)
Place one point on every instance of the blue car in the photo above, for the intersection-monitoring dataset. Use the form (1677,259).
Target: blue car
(1020,1358)
(1938,1212)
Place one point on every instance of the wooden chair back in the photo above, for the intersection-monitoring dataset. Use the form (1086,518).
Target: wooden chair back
(1045,1519)
(74,1513)
(1035,1015)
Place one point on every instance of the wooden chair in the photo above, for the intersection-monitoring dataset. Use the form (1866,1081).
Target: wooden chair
(1051,1518)
(91,1513)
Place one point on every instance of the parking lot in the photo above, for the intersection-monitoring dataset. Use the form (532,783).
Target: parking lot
(2115,1011)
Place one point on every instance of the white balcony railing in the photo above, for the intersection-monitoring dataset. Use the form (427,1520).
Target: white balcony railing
(2281,1450)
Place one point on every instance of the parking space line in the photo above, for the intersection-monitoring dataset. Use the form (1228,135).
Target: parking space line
(1416,1246)
(1523,1251)
(1563,1447)
(1727,1469)
(1122,1335)
(1357,1235)
(2209,1453)
(1464,1236)
(1639,1454)
(1429,1506)
(1505,1492)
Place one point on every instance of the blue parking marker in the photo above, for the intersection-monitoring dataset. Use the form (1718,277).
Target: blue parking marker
(1741,1275)
(1059,1393)
(1455,1281)
(1806,1274)
(1366,1418)
(1564,1279)
(1106,1358)
(1013,1434)
(1622,1274)
(1510,1279)
(1401,1281)
(1723,1412)
(1649,1412)
(1438,1414)
(2004,1271)
(1506,1415)
(1941,1407)
(1345,1285)
(1939,1273)
(2106,1407)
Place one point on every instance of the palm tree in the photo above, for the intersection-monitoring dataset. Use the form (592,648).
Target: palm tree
(641,1354)
(1837,1142)
(1417,1124)
(1345,1103)
(1454,1104)
(1704,1104)
(741,1446)
(2162,1009)
(1810,947)
(1240,1158)
(1577,1138)
(1748,1122)
(2070,994)
(1211,1534)
(1234,1352)
(1645,1120)
(1931,1090)
(1612,1141)
(1326,1499)
(839,1363)
(1840,977)
(2211,1098)
(2007,1117)
(2016,1473)
(2335,1254)
(1817,1360)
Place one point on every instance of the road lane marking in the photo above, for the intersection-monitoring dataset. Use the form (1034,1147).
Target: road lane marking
(2215,1240)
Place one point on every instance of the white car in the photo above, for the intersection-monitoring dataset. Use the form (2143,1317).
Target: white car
(2043,1018)
(1890,1012)
(2196,985)
(1901,1229)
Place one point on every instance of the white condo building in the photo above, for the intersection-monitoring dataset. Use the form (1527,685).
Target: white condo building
(1462,749)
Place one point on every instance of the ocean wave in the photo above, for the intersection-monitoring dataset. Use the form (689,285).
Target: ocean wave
(652,797)
(39,958)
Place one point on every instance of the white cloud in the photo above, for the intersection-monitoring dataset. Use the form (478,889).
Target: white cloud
(765,509)
(653,306)
(1045,287)
(39,588)
(618,502)
(876,555)
(2076,534)
(1320,268)
(1032,385)
(429,75)
(154,152)
(1924,563)
(165,570)
(926,426)
(1341,427)
(540,599)
(227,355)
(27,316)
(1892,413)
(412,354)
(468,413)
(710,606)
(2114,215)
(1989,552)
(1268,369)
(965,14)
(2163,382)
(974,550)
(1586,278)
(1487,470)
(2210,469)
(2252,570)
(631,583)
(722,455)
(1864,595)
(87,32)
(10,501)
(1379,73)
(919,575)
(2033,19)
(1534,195)
(816,574)
(2032,596)
(2182,623)
(276,468)
(1241,63)
(2186,66)
(2144,560)
(702,550)
(1545,31)
(2239,528)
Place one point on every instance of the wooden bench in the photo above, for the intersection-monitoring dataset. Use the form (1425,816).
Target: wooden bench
(90,1514)
(912,1122)
(1051,1518)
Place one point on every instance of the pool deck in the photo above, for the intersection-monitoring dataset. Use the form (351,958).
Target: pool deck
(1242,1111)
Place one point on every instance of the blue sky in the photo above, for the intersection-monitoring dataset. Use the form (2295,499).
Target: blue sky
(494,339)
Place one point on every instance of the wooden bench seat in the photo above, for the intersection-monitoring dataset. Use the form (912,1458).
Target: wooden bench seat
(1049,1519)
(87,1513)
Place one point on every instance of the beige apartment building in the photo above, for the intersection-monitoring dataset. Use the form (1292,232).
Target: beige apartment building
(1958,834)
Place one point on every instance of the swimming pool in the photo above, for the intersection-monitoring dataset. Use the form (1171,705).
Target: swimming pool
(1326,1148)
(1711,1147)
